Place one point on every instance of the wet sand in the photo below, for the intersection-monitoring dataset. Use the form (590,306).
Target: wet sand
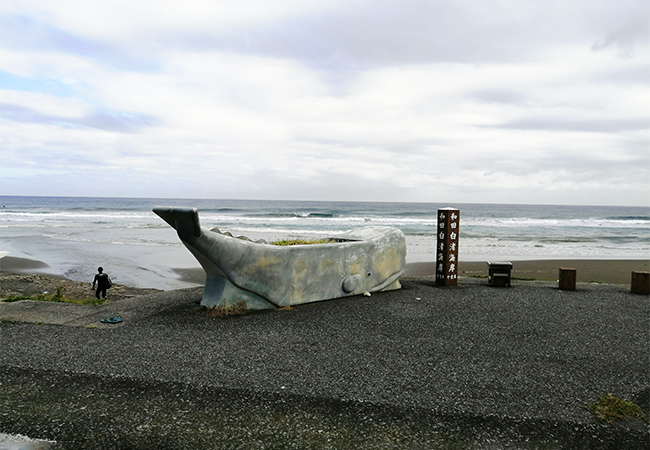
(588,270)
(25,266)
(12,264)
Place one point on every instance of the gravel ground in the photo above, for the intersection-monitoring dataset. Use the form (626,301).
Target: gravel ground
(423,367)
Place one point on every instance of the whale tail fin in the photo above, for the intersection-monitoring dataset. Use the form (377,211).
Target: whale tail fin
(180,218)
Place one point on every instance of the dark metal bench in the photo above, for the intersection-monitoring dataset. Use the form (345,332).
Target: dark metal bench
(499,273)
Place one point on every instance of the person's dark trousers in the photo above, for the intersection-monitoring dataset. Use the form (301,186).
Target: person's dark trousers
(101,291)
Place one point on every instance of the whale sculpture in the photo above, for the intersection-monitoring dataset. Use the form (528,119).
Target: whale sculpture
(264,276)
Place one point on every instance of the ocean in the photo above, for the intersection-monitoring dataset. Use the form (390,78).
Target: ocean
(74,235)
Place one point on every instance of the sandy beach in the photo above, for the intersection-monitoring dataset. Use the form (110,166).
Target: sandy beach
(587,270)
(423,367)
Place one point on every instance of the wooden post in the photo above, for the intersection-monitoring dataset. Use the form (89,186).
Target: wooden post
(447,253)
(567,279)
(641,283)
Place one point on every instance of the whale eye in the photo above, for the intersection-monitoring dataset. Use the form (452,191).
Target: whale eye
(351,282)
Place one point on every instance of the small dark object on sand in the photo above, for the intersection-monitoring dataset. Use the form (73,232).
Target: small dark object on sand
(114,319)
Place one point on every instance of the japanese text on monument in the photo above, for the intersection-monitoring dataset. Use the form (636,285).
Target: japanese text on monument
(447,251)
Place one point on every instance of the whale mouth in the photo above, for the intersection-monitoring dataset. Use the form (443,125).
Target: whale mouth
(243,238)
(288,242)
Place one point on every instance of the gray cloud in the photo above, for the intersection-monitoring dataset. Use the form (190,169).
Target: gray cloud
(119,122)
(586,125)
(628,75)
(24,33)
(101,120)
(627,37)
(360,34)
(500,96)
(363,34)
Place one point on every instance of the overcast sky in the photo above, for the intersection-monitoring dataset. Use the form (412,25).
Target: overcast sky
(390,100)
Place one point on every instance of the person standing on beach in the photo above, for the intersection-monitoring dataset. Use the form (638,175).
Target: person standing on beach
(103,282)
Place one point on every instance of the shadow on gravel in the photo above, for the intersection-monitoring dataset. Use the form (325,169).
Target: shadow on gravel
(91,412)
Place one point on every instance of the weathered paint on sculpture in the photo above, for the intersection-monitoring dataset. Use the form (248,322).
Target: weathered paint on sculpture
(367,259)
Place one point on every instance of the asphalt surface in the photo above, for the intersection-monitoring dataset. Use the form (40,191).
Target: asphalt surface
(423,367)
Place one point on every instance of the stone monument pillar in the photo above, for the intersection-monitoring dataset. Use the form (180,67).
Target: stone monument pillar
(447,254)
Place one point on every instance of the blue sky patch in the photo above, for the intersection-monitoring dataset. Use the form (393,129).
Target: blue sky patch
(39,86)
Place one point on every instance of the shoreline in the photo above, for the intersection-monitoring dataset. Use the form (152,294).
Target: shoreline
(610,271)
